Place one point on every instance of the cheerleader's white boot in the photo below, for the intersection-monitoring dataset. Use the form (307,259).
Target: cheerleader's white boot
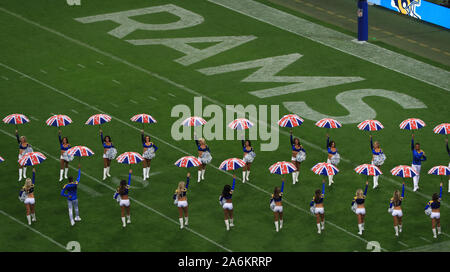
(20,174)
(61,173)
(66,171)
(144,173)
(24,172)
(104,173)
(248,174)
(244,175)
(107,171)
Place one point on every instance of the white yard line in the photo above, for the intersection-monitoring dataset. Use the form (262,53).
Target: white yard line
(43,71)
(132,101)
(74,111)
(99,62)
(171,94)
(115,81)
(425,239)
(114,105)
(33,229)
(62,68)
(403,244)
(81,65)
(152,98)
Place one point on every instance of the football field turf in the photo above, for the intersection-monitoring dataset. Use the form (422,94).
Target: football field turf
(53,64)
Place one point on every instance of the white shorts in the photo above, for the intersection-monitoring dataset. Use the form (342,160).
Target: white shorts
(228,206)
(435,215)
(360,211)
(278,209)
(398,213)
(182,204)
(104,156)
(293,159)
(29,201)
(124,202)
(320,210)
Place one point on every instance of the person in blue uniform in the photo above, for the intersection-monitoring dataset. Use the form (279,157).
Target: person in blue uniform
(333,157)
(395,208)
(378,158)
(249,156)
(418,156)
(433,209)
(64,158)
(148,154)
(276,204)
(69,191)
(109,153)
(298,155)
(359,208)
(181,201)
(26,195)
(317,207)
(24,148)
(225,200)
(121,196)
(204,155)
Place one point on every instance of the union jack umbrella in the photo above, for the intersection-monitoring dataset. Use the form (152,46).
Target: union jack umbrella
(282,168)
(80,151)
(231,164)
(443,128)
(412,123)
(98,119)
(440,170)
(290,120)
(194,121)
(370,125)
(1,159)
(130,158)
(404,171)
(32,158)
(325,169)
(143,118)
(188,161)
(328,123)
(240,124)
(16,119)
(368,170)
(58,120)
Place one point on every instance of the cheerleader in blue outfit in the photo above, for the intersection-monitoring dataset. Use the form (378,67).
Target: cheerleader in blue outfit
(316,206)
(24,148)
(26,195)
(109,153)
(276,205)
(298,155)
(226,202)
(204,155)
(359,208)
(395,209)
(69,191)
(333,157)
(121,196)
(418,157)
(180,199)
(64,158)
(378,158)
(249,157)
(433,209)
(148,154)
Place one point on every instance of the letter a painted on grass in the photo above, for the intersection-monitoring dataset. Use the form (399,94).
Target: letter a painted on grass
(128,25)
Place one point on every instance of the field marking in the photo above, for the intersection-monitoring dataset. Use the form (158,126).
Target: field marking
(34,118)
(115,81)
(425,239)
(445,234)
(62,68)
(114,105)
(43,71)
(99,62)
(134,102)
(171,94)
(74,111)
(81,65)
(168,144)
(33,230)
(132,198)
(153,98)
(5,78)
(403,244)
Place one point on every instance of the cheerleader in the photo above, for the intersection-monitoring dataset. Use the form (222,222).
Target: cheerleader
(26,195)
(148,154)
(249,156)
(378,158)
(204,155)
(181,201)
(227,204)
(24,148)
(316,206)
(298,155)
(121,196)
(418,157)
(448,151)
(71,195)
(433,210)
(277,206)
(395,208)
(109,153)
(333,157)
(358,207)
(64,158)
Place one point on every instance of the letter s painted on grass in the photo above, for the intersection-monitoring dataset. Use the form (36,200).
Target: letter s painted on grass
(73,246)
(374,246)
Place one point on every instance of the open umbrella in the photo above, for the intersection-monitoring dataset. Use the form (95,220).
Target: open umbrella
(193,121)
(98,119)
(32,158)
(325,169)
(412,124)
(404,171)
(368,170)
(16,119)
(188,161)
(370,125)
(58,120)
(240,124)
(290,120)
(328,123)
(282,168)
(443,128)
(231,164)
(130,158)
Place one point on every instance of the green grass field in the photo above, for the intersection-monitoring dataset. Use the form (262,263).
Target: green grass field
(51,63)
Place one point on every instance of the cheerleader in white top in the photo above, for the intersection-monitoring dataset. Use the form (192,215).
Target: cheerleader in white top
(276,205)
(359,208)
(333,157)
(395,208)
(109,153)
(204,155)
(226,202)
(180,199)
(26,195)
(378,158)
(64,158)
(121,196)
(316,207)
(24,148)
(148,154)
(249,157)
(433,209)
(298,155)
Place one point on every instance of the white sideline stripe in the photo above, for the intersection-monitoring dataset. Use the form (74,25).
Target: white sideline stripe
(135,200)
(342,42)
(81,65)
(33,230)
(163,141)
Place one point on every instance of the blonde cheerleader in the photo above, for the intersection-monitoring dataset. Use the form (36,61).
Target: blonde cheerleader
(26,195)
(148,154)
(109,153)
(65,158)
(333,157)
(227,203)
(180,199)
(395,208)
(378,158)
(121,196)
(24,148)
(359,208)
(433,209)
(204,155)
(249,157)
(276,205)
(317,209)
(298,155)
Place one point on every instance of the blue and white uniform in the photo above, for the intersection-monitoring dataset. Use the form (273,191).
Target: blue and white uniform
(395,208)
(149,153)
(360,201)
(27,195)
(182,194)
(70,192)
(64,156)
(433,209)
(249,157)
(118,195)
(314,201)
(335,158)
(223,199)
(417,159)
(277,208)
(22,151)
(377,159)
(204,158)
(298,155)
(448,151)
